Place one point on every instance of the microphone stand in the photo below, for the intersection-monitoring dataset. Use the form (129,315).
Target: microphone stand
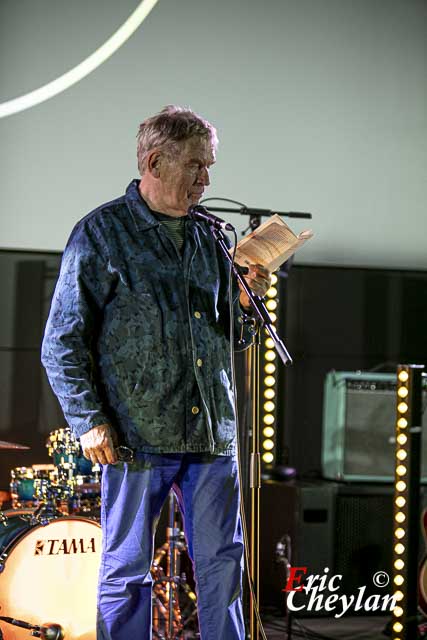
(260,312)
(254,214)
(257,303)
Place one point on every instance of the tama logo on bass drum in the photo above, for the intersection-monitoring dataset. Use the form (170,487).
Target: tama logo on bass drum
(66,546)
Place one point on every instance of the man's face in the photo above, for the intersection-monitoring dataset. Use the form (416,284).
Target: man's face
(184,177)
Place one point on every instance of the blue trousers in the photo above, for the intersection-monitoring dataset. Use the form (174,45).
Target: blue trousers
(207,490)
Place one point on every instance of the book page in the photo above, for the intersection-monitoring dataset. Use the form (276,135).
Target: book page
(270,245)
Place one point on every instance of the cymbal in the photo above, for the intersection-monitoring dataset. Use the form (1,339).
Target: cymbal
(12,445)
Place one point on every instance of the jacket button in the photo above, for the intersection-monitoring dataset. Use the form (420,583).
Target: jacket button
(197,315)
(199,362)
(195,410)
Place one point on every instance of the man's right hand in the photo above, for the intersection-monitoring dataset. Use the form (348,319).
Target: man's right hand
(98,444)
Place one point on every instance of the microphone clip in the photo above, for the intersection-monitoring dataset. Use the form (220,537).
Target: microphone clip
(197,212)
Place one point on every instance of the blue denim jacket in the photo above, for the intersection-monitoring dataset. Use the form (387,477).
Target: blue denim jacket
(138,335)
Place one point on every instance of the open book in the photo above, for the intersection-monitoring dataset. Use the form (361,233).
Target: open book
(270,245)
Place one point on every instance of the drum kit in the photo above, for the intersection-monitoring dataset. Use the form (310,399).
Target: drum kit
(50,545)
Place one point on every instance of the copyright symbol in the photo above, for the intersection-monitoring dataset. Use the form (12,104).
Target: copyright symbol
(381,579)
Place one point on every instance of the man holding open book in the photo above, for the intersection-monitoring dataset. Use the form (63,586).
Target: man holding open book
(137,350)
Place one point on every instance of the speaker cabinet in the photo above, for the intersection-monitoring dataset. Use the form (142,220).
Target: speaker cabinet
(359,416)
(346,528)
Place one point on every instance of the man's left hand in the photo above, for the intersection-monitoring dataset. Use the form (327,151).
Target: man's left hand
(259,281)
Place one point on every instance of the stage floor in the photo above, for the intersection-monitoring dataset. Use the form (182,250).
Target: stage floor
(323,628)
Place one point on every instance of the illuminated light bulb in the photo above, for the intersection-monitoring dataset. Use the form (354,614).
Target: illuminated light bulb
(398,611)
(268,445)
(403,376)
(273,279)
(268,432)
(399,548)
(269,381)
(268,457)
(401,470)
(402,407)
(271,305)
(402,423)
(400,502)
(399,564)
(268,419)
(270,368)
(400,485)
(398,626)
(399,533)
(402,392)
(272,292)
(269,406)
(398,596)
(270,394)
(269,343)
(270,355)
(273,316)
(399,580)
(401,454)
(400,517)
(402,439)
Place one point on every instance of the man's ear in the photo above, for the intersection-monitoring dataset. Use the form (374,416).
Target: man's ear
(154,160)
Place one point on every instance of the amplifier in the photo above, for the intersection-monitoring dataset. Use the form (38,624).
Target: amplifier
(359,417)
(345,527)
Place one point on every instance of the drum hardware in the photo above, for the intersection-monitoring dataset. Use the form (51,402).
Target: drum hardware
(44,513)
(168,619)
(77,490)
(12,445)
(47,631)
(65,451)
(26,485)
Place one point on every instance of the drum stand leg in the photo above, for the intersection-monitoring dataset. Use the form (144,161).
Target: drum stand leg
(168,623)
(173,563)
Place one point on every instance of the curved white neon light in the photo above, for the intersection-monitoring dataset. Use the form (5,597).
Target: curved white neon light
(84,68)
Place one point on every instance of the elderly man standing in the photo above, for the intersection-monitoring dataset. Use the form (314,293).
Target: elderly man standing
(137,351)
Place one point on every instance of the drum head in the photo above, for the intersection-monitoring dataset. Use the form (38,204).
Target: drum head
(51,575)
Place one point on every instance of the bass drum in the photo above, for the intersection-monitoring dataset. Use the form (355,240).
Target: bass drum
(49,574)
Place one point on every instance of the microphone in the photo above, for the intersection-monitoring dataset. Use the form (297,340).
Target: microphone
(197,212)
(51,631)
(47,631)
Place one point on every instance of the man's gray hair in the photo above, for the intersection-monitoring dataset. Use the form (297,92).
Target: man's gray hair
(168,130)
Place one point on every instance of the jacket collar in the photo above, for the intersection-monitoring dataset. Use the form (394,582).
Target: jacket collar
(139,211)
(141,214)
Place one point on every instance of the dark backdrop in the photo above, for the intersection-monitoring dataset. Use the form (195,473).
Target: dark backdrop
(28,408)
(331,317)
